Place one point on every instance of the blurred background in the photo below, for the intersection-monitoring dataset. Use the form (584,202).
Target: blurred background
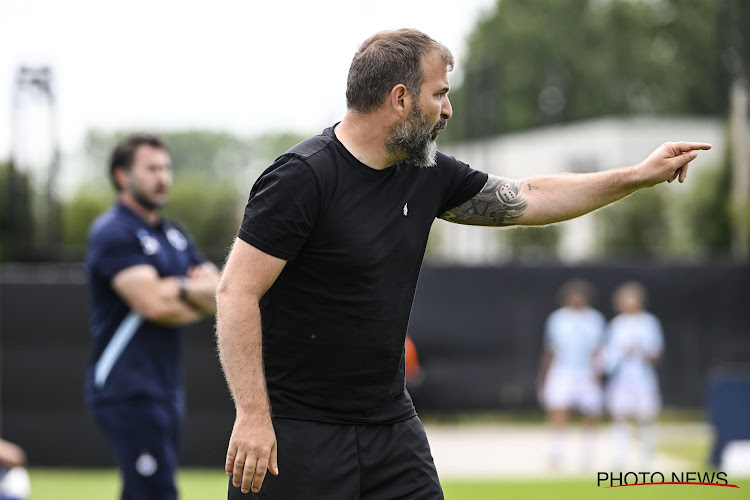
(540,86)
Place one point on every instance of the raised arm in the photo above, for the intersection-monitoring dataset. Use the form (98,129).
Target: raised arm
(549,199)
(248,274)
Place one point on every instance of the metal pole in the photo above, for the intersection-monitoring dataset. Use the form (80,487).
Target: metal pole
(739,104)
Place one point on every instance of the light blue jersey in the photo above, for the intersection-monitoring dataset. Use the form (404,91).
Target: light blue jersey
(632,339)
(574,336)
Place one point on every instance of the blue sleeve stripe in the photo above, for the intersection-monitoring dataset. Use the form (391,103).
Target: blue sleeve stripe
(117,344)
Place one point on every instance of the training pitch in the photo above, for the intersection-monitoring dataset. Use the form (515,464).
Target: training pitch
(203,484)
(476,462)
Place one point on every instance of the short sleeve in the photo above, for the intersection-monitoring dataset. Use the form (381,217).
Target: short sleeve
(112,249)
(282,210)
(195,255)
(655,337)
(461,182)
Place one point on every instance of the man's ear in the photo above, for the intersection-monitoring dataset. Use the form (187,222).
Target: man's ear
(120,176)
(401,100)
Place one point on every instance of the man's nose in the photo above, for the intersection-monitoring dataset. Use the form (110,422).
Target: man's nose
(447,111)
(166,176)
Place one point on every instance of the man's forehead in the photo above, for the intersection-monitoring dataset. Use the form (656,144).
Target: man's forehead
(151,154)
(435,70)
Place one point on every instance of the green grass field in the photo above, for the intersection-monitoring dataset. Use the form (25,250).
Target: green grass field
(202,484)
(205,484)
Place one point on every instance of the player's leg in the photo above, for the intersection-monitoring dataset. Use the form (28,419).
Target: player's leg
(649,405)
(558,396)
(316,461)
(589,403)
(558,423)
(141,435)
(620,403)
(396,462)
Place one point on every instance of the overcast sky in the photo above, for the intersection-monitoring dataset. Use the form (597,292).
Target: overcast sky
(243,66)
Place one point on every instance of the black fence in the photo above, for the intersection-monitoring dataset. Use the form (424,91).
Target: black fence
(478,332)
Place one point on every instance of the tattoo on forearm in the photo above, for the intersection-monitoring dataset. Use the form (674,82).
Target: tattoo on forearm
(499,203)
(531,187)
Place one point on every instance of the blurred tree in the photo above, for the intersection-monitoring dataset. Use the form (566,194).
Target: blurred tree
(536,62)
(636,227)
(206,153)
(708,210)
(211,212)
(532,243)
(4,210)
(203,152)
(17,225)
(79,211)
(214,172)
(270,145)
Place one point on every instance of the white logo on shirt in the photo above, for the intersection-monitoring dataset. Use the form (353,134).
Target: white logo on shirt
(177,239)
(149,244)
(146,464)
(406,209)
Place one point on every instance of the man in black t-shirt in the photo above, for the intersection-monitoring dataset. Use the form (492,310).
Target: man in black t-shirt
(316,294)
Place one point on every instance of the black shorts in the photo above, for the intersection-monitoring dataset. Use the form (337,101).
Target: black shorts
(349,462)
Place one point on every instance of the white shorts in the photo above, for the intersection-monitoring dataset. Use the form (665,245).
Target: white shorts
(633,399)
(565,390)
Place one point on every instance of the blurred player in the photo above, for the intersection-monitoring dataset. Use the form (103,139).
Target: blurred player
(14,479)
(568,376)
(146,280)
(326,263)
(634,346)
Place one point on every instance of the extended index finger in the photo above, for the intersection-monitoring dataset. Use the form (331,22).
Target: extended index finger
(684,147)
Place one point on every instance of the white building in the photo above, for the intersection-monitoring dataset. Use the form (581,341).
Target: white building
(585,146)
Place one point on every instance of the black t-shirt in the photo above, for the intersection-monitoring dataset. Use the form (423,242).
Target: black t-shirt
(335,320)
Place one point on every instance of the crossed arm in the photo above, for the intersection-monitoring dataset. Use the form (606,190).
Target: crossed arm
(169,300)
(11,455)
(549,199)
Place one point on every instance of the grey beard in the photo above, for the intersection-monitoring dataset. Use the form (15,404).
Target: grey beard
(414,139)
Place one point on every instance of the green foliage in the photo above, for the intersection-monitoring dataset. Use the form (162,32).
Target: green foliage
(18,227)
(536,62)
(637,226)
(532,242)
(708,210)
(78,212)
(271,145)
(211,212)
(202,152)
(4,209)
(214,172)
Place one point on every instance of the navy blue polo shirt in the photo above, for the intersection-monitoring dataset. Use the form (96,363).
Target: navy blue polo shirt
(133,357)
